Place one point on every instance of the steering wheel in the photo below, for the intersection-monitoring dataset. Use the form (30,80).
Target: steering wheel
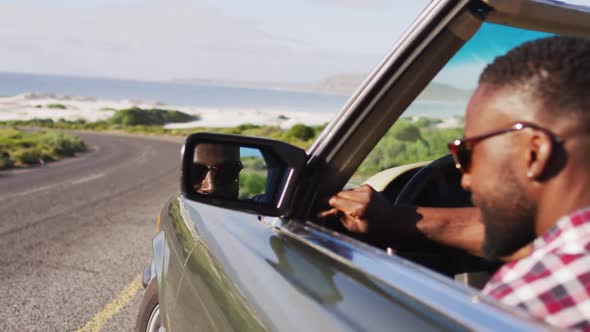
(436,185)
(439,185)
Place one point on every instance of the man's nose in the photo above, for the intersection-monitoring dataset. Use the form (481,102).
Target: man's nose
(208,184)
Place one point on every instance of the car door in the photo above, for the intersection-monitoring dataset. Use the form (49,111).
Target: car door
(251,273)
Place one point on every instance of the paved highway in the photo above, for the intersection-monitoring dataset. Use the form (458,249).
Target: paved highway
(76,234)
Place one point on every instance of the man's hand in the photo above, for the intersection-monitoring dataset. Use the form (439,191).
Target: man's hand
(364,211)
(354,207)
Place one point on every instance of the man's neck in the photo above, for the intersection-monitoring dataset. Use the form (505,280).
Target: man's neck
(564,198)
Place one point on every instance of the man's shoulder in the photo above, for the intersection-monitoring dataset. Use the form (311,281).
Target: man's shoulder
(570,236)
(554,288)
(553,282)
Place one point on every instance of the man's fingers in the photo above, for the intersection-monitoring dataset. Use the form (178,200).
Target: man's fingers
(349,220)
(344,202)
(349,207)
(357,194)
(328,213)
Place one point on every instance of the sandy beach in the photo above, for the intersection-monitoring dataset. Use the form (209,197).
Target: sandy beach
(28,106)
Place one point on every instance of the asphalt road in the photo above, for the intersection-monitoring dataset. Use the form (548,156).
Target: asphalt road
(76,234)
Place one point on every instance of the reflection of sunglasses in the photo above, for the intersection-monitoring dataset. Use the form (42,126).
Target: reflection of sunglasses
(225,173)
(461,149)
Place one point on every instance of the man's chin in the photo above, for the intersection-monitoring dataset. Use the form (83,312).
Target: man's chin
(496,251)
(501,239)
(502,244)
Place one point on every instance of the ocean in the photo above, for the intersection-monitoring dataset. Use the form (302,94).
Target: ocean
(171,93)
(195,95)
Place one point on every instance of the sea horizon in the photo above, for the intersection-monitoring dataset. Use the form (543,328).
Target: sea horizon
(169,92)
(199,95)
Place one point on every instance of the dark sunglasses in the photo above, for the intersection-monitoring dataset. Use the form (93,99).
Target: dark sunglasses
(461,149)
(223,174)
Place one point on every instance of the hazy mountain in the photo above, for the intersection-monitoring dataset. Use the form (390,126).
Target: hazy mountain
(347,83)
(343,84)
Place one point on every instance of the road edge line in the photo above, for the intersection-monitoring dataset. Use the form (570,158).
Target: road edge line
(113,307)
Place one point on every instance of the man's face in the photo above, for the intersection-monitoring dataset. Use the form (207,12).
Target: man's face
(216,169)
(496,177)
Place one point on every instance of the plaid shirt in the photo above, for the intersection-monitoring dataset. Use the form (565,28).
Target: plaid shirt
(553,282)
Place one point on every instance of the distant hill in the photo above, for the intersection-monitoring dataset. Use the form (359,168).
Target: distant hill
(444,92)
(347,83)
(342,84)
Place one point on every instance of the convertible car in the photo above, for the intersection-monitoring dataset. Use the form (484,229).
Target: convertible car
(231,257)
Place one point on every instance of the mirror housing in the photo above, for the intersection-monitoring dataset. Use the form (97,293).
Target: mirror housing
(285,164)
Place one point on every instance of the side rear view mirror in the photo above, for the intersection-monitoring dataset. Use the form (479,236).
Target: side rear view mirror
(238,172)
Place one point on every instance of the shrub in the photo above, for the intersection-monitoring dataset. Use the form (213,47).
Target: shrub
(27,156)
(56,106)
(136,116)
(406,132)
(61,145)
(5,161)
(251,184)
(301,131)
(424,122)
(18,148)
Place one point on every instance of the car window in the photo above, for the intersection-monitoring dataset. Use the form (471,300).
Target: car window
(437,115)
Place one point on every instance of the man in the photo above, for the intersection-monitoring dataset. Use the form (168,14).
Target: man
(526,161)
(216,170)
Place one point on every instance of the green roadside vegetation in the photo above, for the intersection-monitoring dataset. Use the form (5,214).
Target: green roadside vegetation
(20,148)
(132,119)
(409,140)
(253,177)
(151,121)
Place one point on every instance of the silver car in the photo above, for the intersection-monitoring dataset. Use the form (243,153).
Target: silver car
(258,259)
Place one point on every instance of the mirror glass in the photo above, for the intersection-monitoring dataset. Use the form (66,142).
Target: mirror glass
(229,171)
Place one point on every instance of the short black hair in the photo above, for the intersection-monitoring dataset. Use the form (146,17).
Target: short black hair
(555,70)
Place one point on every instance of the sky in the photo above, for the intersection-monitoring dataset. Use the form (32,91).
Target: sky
(491,40)
(287,41)
(255,40)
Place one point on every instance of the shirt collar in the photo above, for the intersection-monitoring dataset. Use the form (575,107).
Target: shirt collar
(576,225)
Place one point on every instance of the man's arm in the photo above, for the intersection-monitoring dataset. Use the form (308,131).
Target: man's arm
(364,211)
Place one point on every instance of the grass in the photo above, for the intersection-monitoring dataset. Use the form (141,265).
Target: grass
(20,148)
(302,136)
(408,141)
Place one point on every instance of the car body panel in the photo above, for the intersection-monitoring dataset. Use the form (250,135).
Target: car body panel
(246,274)
(171,249)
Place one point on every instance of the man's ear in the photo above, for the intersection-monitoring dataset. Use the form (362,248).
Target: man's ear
(540,149)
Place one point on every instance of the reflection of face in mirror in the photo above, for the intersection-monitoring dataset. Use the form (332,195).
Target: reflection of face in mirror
(216,169)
